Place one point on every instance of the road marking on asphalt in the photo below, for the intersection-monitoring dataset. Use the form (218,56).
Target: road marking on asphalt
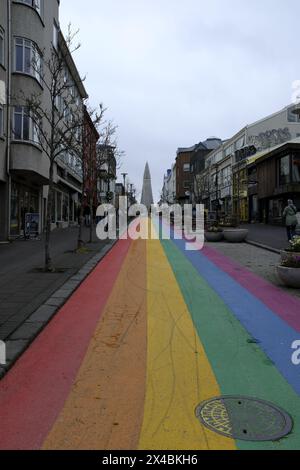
(179,375)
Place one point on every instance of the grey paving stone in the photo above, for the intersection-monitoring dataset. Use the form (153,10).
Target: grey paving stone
(70,285)
(62,293)
(27,331)
(14,349)
(2,372)
(43,314)
(55,302)
(78,278)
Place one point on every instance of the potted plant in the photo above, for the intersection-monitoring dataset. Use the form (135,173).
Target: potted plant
(293,251)
(214,234)
(289,271)
(235,235)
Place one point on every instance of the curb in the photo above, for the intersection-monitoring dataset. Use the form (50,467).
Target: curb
(24,335)
(263,247)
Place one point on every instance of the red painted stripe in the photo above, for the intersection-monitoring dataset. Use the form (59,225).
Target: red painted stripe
(35,390)
(282,304)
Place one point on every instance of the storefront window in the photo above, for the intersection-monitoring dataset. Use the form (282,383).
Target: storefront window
(59,206)
(296,168)
(23,201)
(65,209)
(284,170)
(53,210)
(14,211)
(71,206)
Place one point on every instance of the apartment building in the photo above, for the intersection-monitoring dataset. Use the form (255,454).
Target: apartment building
(29,29)
(106,174)
(169,186)
(184,179)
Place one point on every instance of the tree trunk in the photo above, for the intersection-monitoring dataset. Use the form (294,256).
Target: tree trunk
(48,261)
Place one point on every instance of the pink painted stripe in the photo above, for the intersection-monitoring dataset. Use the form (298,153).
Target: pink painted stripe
(35,390)
(282,304)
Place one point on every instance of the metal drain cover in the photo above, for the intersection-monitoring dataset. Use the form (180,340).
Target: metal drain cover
(245,419)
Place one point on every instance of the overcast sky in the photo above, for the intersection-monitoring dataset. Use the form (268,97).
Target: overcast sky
(173,72)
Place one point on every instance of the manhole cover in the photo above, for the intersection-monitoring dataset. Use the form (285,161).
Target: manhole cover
(245,419)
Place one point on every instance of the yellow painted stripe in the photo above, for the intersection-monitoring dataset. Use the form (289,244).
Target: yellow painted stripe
(179,375)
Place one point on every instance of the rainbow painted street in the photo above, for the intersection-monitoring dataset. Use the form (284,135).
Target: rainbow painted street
(153,332)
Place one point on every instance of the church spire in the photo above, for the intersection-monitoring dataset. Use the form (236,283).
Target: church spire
(147,194)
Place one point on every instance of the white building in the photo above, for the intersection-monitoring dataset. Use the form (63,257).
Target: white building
(272,130)
(169,187)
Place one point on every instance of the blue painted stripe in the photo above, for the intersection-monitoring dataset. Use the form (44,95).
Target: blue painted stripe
(275,337)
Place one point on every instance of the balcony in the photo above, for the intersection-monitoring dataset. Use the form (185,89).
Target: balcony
(28,161)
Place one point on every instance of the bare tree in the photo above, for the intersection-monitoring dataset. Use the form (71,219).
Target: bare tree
(59,123)
(109,155)
(92,119)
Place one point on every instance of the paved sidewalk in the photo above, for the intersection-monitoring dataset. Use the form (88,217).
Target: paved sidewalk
(23,289)
(268,235)
(259,261)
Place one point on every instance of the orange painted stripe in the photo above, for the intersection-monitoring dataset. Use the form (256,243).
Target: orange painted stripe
(105,407)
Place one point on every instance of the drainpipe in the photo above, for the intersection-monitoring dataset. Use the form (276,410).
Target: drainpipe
(8,115)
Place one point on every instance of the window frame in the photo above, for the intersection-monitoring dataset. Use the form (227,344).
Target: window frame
(27,44)
(33,134)
(2,46)
(280,175)
(36,5)
(55,35)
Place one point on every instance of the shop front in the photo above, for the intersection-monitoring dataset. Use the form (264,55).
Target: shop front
(278,181)
(25,200)
(65,208)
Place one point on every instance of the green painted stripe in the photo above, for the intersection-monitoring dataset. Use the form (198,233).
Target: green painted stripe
(241,367)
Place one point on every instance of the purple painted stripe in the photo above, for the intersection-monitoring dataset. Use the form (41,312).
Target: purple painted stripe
(282,304)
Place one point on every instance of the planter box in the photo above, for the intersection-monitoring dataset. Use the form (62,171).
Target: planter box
(214,237)
(289,255)
(236,235)
(289,276)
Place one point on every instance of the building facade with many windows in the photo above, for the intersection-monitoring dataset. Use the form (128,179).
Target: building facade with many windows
(227,186)
(29,29)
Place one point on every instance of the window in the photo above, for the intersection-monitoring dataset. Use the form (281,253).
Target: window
(36,4)
(59,206)
(186,185)
(240,143)
(296,168)
(284,170)
(2,48)
(291,116)
(65,208)
(66,111)
(27,58)
(24,127)
(1,121)
(186,167)
(229,151)
(55,35)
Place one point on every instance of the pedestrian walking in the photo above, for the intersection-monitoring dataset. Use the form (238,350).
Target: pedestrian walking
(291,221)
